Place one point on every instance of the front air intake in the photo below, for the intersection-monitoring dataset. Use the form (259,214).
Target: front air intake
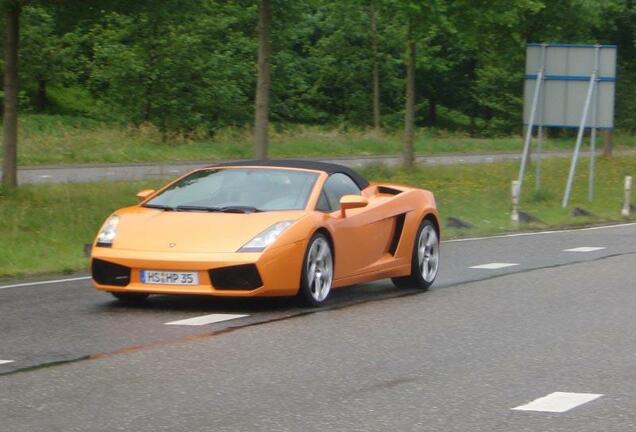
(241,277)
(107,273)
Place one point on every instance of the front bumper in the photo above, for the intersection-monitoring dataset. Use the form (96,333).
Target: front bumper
(279,269)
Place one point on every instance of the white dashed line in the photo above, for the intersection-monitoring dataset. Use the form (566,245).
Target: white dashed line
(493,266)
(206,319)
(44,176)
(44,282)
(584,249)
(5,361)
(529,234)
(558,402)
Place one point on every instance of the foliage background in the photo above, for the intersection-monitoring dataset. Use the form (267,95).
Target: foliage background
(188,66)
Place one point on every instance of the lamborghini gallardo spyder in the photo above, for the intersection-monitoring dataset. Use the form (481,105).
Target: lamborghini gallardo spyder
(268,228)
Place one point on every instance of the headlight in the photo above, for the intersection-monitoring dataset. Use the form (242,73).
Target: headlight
(266,238)
(108,232)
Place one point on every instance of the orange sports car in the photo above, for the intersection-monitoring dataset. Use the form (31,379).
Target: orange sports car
(268,228)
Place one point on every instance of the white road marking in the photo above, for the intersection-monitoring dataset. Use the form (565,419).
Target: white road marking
(46,282)
(526,234)
(584,249)
(206,319)
(5,361)
(558,402)
(494,266)
(45,176)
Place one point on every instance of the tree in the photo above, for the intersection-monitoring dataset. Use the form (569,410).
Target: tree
(373,16)
(186,70)
(41,59)
(422,21)
(409,109)
(10,114)
(12,11)
(263,81)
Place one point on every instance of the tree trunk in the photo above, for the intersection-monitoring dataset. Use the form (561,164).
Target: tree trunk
(263,82)
(409,114)
(608,142)
(10,119)
(432,111)
(41,100)
(376,68)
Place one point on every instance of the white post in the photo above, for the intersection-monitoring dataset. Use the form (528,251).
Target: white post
(514,214)
(627,204)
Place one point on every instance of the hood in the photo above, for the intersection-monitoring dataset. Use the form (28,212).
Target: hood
(145,229)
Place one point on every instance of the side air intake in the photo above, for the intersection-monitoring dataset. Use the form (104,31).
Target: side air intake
(397,233)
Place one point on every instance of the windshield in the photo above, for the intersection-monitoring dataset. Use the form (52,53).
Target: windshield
(241,190)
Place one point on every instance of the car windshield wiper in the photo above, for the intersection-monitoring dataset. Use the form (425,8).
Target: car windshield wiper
(225,209)
(160,207)
(240,209)
(197,208)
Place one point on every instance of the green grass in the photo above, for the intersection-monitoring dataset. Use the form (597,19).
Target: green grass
(44,227)
(480,194)
(55,139)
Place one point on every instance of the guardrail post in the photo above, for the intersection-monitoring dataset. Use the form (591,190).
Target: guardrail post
(627,204)
(514,214)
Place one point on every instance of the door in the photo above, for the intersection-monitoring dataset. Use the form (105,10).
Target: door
(363,237)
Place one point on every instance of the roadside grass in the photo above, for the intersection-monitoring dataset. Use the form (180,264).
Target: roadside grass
(44,227)
(57,139)
(480,194)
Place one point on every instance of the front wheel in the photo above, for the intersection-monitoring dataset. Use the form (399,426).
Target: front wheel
(317,272)
(424,259)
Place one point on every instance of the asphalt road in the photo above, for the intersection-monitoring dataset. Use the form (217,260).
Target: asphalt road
(457,358)
(140,171)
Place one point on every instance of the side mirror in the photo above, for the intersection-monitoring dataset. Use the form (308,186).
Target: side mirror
(351,202)
(145,194)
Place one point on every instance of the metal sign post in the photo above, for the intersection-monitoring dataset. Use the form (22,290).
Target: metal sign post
(590,187)
(533,112)
(537,176)
(579,138)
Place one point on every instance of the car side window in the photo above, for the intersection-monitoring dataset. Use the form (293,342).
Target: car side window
(336,186)
(322,204)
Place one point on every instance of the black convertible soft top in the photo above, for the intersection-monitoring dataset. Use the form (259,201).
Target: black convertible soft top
(329,168)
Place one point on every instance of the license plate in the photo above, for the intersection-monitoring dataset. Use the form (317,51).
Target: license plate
(157,277)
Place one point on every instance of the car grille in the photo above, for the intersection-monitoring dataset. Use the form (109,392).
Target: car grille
(242,277)
(107,273)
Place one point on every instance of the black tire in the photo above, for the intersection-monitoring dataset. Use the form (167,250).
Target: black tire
(313,293)
(417,279)
(130,298)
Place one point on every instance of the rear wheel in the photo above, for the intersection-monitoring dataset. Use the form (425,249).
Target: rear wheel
(317,272)
(424,259)
(130,297)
